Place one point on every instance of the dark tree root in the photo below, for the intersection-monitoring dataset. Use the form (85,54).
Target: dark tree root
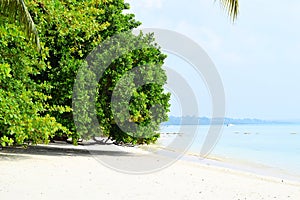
(102,141)
(122,144)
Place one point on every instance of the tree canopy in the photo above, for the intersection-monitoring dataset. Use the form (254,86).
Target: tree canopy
(36,86)
(68,32)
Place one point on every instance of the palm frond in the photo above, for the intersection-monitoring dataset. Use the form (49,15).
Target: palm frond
(232,8)
(17,10)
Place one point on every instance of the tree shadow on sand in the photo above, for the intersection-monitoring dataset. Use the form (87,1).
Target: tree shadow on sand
(64,149)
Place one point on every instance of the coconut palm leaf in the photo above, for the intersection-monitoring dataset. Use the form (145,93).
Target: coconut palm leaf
(17,10)
(232,7)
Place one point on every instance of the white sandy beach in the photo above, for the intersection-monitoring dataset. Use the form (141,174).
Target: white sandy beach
(50,175)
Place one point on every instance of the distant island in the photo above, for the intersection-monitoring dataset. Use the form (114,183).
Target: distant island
(192,120)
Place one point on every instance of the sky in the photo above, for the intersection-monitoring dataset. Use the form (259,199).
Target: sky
(257,56)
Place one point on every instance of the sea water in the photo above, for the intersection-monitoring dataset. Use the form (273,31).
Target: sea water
(268,147)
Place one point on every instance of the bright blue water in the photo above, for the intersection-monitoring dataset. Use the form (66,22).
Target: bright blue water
(274,146)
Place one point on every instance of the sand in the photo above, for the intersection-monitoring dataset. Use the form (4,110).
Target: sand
(75,174)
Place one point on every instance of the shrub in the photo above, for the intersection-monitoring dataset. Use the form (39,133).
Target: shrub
(43,83)
(23,107)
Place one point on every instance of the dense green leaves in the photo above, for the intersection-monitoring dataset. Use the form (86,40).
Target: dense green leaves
(130,91)
(69,31)
(23,105)
(36,88)
(16,9)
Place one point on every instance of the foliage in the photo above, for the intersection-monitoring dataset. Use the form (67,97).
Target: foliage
(130,94)
(16,9)
(36,89)
(70,30)
(23,109)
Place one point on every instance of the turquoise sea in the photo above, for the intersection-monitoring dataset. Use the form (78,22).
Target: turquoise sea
(265,149)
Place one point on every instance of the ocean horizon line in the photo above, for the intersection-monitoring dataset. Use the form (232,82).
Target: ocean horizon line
(193,120)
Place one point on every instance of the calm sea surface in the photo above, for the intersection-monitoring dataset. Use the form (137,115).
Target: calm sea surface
(271,147)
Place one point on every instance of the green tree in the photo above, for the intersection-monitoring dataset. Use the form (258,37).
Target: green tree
(69,31)
(23,106)
(16,9)
(69,36)
(130,96)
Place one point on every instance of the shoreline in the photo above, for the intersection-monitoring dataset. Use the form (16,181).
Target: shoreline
(284,170)
(189,157)
(48,174)
(242,166)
